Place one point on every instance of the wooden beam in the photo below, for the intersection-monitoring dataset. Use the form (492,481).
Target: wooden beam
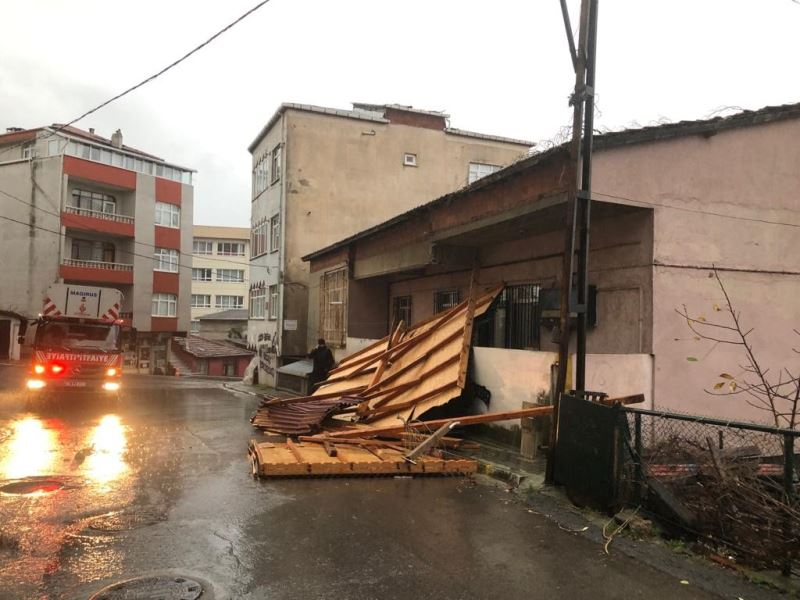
(329,448)
(391,408)
(468,320)
(624,400)
(539,411)
(430,441)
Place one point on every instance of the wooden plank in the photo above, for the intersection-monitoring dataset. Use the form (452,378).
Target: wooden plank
(468,320)
(329,448)
(538,411)
(302,399)
(393,408)
(632,399)
(430,441)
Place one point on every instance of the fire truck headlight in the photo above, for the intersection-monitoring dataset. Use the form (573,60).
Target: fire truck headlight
(38,369)
(35,384)
(111,386)
(111,372)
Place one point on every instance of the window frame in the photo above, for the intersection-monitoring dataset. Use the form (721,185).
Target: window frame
(172,260)
(169,300)
(220,277)
(222,252)
(333,306)
(258,303)
(192,303)
(491,169)
(219,304)
(196,269)
(275,164)
(197,243)
(408,311)
(440,305)
(272,308)
(275,233)
(172,212)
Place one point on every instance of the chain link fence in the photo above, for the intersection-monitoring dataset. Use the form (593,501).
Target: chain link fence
(731,486)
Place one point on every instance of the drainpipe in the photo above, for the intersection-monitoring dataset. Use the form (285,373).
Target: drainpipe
(282,249)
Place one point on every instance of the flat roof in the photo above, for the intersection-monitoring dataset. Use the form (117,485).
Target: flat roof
(747,118)
(374,113)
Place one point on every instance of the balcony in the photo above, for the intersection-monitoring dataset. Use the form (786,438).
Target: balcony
(94,220)
(95,271)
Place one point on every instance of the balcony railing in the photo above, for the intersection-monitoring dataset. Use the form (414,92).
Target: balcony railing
(96,264)
(85,212)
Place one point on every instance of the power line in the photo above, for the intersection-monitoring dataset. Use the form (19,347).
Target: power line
(146,256)
(151,77)
(58,215)
(697,210)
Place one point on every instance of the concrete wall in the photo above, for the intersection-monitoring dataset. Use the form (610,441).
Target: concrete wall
(218,330)
(729,200)
(144,216)
(513,376)
(30,248)
(186,259)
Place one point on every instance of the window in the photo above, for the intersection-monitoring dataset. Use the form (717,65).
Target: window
(111,156)
(276,163)
(53,147)
(94,202)
(93,251)
(275,233)
(258,239)
(258,300)
(410,160)
(401,310)
(260,180)
(230,248)
(29,151)
(273,302)
(229,302)
(444,300)
(230,275)
(478,170)
(195,326)
(168,215)
(513,319)
(201,274)
(333,307)
(202,247)
(201,301)
(166,260)
(165,305)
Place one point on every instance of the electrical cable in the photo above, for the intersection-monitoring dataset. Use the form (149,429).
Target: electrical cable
(150,78)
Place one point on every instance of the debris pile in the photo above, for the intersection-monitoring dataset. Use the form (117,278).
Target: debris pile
(735,497)
(364,418)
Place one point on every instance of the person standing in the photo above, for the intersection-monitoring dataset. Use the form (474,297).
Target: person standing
(322,358)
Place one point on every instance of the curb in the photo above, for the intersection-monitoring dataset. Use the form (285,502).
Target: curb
(230,387)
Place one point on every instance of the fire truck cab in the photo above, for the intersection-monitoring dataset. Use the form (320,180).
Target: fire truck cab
(78,341)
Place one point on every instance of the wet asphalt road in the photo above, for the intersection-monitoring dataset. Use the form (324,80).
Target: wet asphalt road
(160,484)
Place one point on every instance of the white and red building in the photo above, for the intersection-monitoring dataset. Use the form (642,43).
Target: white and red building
(81,208)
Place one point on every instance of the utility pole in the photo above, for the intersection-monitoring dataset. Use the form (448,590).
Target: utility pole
(575,288)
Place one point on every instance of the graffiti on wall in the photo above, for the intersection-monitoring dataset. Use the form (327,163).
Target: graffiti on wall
(267,354)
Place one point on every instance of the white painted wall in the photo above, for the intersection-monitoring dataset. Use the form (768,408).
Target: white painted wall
(620,375)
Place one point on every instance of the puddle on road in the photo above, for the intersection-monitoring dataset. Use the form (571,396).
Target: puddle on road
(31,487)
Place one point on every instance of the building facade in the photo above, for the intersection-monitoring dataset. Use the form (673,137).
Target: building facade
(81,208)
(671,204)
(319,174)
(220,270)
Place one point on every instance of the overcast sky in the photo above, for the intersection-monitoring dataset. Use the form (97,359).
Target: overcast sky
(497,67)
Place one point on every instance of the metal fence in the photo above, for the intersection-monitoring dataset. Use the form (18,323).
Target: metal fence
(730,485)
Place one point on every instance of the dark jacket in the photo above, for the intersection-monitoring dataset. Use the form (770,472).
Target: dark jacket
(323,361)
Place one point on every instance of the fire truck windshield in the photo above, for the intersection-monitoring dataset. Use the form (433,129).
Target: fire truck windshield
(77,336)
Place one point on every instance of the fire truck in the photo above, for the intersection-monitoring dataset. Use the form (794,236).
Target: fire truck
(78,341)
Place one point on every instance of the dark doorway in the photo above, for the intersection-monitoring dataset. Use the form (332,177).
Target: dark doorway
(5,339)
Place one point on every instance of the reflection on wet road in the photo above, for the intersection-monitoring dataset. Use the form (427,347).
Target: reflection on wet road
(31,449)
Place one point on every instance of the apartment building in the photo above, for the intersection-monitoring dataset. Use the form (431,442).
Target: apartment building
(81,208)
(220,270)
(320,174)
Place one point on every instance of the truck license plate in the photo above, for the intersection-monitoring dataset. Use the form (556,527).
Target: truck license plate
(75,383)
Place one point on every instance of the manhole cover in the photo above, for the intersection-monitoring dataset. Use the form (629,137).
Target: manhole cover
(152,588)
(24,488)
(124,521)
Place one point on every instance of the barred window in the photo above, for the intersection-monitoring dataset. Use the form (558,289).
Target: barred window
(445,300)
(333,307)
